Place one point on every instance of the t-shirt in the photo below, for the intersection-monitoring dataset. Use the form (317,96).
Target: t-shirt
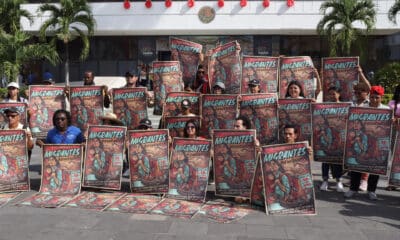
(71,135)
(392,104)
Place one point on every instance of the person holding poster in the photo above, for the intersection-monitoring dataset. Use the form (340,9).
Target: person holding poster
(395,105)
(186,108)
(219,88)
(291,134)
(294,90)
(88,80)
(14,119)
(192,130)
(13,94)
(254,86)
(201,83)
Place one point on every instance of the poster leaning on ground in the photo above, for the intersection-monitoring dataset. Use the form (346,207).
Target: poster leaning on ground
(43,102)
(262,68)
(329,131)
(104,157)
(368,134)
(173,101)
(129,105)
(257,187)
(20,106)
(148,161)
(176,125)
(288,183)
(394,178)
(234,162)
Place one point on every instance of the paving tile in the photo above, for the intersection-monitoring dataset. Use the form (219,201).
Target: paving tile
(188,228)
(262,231)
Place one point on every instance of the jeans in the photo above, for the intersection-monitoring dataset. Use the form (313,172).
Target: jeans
(337,171)
(356,179)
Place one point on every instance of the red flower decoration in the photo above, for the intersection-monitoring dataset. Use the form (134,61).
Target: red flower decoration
(168,3)
(243,3)
(290,3)
(221,3)
(148,3)
(266,3)
(127,4)
(190,3)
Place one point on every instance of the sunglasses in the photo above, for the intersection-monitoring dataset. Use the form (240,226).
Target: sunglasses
(12,116)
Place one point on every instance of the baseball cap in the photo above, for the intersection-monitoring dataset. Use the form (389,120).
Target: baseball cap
(254,82)
(220,85)
(11,110)
(144,123)
(48,80)
(131,73)
(13,84)
(186,103)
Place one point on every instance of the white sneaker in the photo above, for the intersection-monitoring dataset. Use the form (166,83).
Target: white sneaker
(372,196)
(324,186)
(339,187)
(349,194)
(363,185)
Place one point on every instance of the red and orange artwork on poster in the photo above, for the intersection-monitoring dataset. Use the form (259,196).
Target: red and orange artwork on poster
(176,125)
(368,133)
(234,162)
(176,208)
(262,68)
(262,110)
(45,200)
(43,102)
(61,169)
(129,105)
(189,169)
(341,73)
(295,112)
(167,77)
(299,69)
(86,106)
(20,106)
(188,55)
(257,187)
(394,178)
(104,157)
(134,203)
(14,167)
(173,101)
(148,160)
(288,183)
(224,66)
(222,213)
(329,131)
(94,201)
(7,197)
(218,112)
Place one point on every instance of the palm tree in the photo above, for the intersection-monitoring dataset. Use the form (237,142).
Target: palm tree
(67,21)
(11,13)
(393,11)
(338,23)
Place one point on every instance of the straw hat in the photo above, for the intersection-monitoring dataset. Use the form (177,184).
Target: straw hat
(112,118)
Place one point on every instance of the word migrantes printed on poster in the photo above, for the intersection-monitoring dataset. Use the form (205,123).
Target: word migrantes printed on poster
(176,125)
(257,187)
(295,112)
(394,178)
(262,68)
(14,167)
(368,140)
(104,157)
(217,112)
(173,101)
(148,161)
(134,203)
(43,102)
(176,208)
(342,73)
(86,106)
(234,162)
(288,183)
(224,66)
(167,77)
(299,69)
(20,106)
(188,54)
(189,168)
(94,201)
(262,110)
(329,131)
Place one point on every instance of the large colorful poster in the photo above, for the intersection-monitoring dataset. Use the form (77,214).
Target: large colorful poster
(20,106)
(45,200)
(129,104)
(167,77)
(295,112)
(300,69)
(176,208)
(342,73)
(43,102)
(222,212)
(264,69)
(262,110)
(104,157)
(368,140)
(329,131)
(224,66)
(218,112)
(14,165)
(176,125)
(7,197)
(188,54)
(394,178)
(288,180)
(148,161)
(257,187)
(234,162)
(189,168)
(133,203)
(94,201)
(172,105)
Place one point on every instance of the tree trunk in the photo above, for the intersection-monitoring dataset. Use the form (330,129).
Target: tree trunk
(66,64)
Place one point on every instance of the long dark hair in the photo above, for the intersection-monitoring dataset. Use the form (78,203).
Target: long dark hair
(297,83)
(196,126)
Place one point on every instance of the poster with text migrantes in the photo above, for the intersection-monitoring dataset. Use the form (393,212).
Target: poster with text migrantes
(217,112)
(167,77)
(394,178)
(368,134)
(188,55)
(20,106)
(104,157)
(189,168)
(176,208)
(14,167)
(95,201)
(86,106)
(288,183)
(129,104)
(43,102)
(295,112)
(134,203)
(148,160)
(61,169)
(262,110)
(222,212)
(45,200)
(264,69)
(299,69)
(234,162)
(176,125)
(224,66)
(329,131)
(173,101)
(257,187)
(342,73)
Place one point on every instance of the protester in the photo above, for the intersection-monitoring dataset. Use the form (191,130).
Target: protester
(219,88)
(186,108)
(254,86)
(144,124)
(192,130)
(111,119)
(132,79)
(294,90)
(88,80)
(13,94)
(201,83)
(291,134)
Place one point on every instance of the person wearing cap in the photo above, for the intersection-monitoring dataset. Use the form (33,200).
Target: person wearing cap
(132,79)
(13,94)
(186,107)
(254,86)
(219,88)
(144,124)
(111,119)
(14,122)
(88,80)
(48,81)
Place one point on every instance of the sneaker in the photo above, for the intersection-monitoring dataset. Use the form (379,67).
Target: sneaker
(349,194)
(324,186)
(126,173)
(339,187)
(363,185)
(372,196)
